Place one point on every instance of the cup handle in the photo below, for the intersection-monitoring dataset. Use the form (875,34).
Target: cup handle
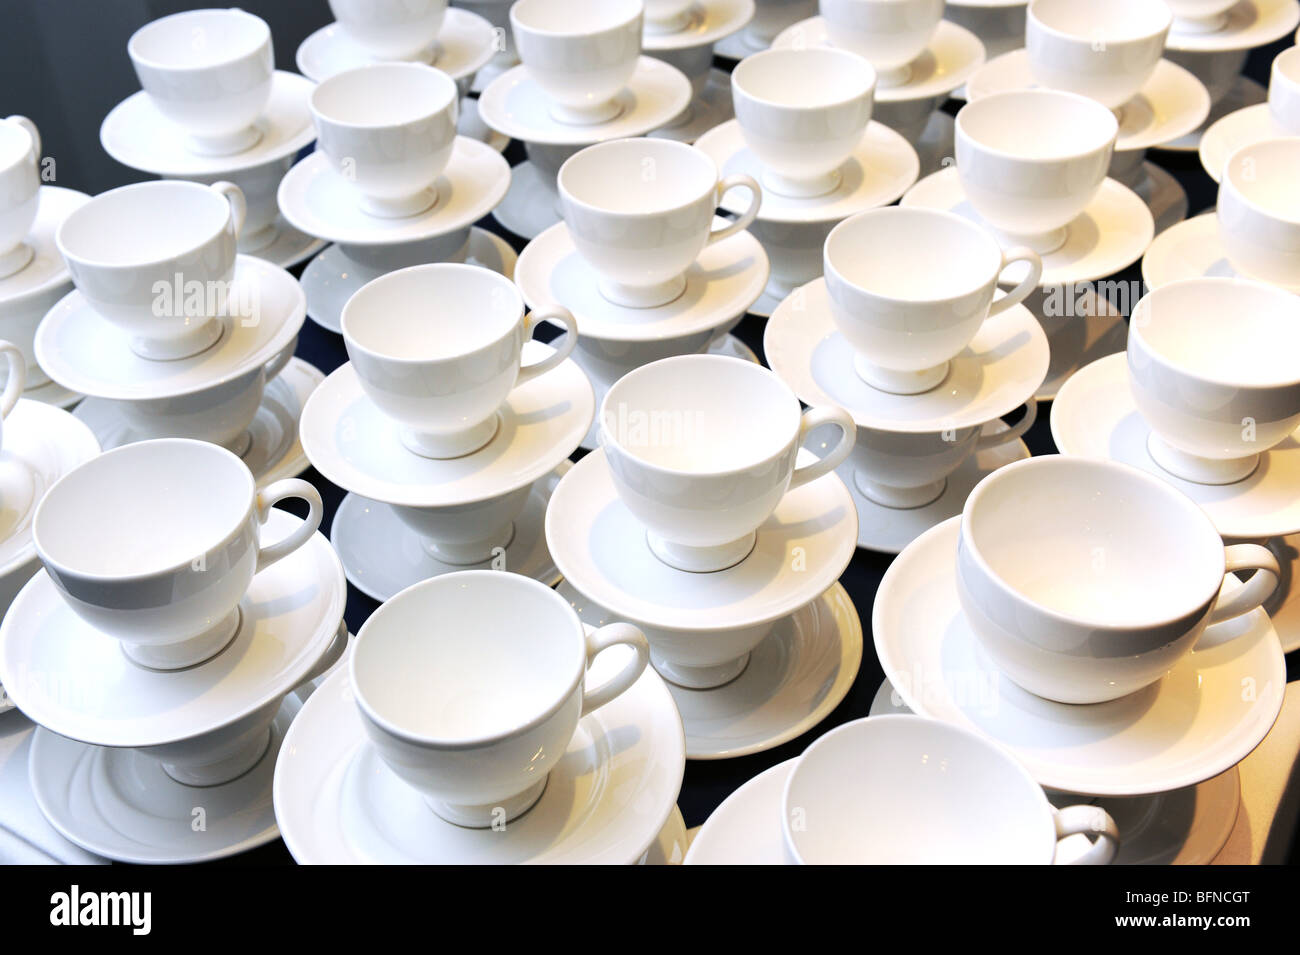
(238,204)
(17,377)
(604,638)
(560,316)
(1013,433)
(813,418)
(32,131)
(1256,590)
(1089,821)
(1018,294)
(290,487)
(276,364)
(750,214)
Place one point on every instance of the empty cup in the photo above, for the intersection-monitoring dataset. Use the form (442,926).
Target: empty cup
(20,190)
(1284,91)
(1259,211)
(889,33)
(392,29)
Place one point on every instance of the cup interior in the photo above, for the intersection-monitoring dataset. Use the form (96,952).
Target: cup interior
(144,223)
(198,38)
(1039,125)
(804,79)
(574,18)
(1111,21)
(1093,542)
(1267,176)
(142,509)
(384,94)
(637,176)
(467,657)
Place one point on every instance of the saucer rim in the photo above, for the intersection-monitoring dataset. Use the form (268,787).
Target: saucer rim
(61,275)
(473,66)
(734,16)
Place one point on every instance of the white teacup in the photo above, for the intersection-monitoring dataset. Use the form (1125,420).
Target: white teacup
(905,790)
(1103,49)
(389,129)
(702,448)
(392,29)
(126,247)
(20,189)
(15,381)
(437,349)
(1030,161)
(1259,211)
(910,288)
(471,685)
(155,543)
(1284,91)
(209,72)
(889,33)
(802,113)
(580,52)
(260,185)
(1214,366)
(1086,580)
(640,211)
(1200,16)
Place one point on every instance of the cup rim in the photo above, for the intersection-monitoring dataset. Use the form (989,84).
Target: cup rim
(737,76)
(643,142)
(637,11)
(1040,94)
(1196,517)
(132,44)
(21,155)
(453,579)
(1231,164)
(1033,20)
(1284,67)
(139,447)
(447,85)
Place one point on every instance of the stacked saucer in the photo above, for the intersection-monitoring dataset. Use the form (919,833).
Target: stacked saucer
(158,729)
(1279,117)
(740,605)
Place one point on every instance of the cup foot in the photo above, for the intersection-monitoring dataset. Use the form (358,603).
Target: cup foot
(256,241)
(700,678)
(1210,24)
(1191,467)
(472,553)
(900,498)
(457,445)
(489,816)
(1041,242)
(187,653)
(586,115)
(801,188)
(900,382)
(223,770)
(15,260)
(196,340)
(643,296)
(701,560)
(412,205)
(226,145)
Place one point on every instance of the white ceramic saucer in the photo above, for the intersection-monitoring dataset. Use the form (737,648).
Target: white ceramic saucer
(46,270)
(1188,250)
(1245,127)
(1244,93)
(1250,23)
(136,134)
(321,202)
(77,682)
(1095,416)
(795,678)
(881,169)
(1197,722)
(471,124)
(1185,827)
(85,352)
(952,57)
(331,278)
(531,204)
(274,452)
(745,829)
(711,108)
(515,106)
(669,847)
(1108,236)
(465,44)
(601,550)
(721,284)
(709,21)
(992,376)
(382,556)
(357,447)
(290,246)
(606,801)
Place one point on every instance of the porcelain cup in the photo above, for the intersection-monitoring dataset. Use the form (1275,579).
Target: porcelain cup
(209,72)
(1030,161)
(260,184)
(471,685)
(392,29)
(1200,16)
(640,213)
(1284,91)
(155,543)
(1217,393)
(388,129)
(702,448)
(581,53)
(128,248)
(1105,50)
(889,33)
(20,190)
(910,288)
(437,349)
(905,790)
(1086,580)
(802,113)
(1259,211)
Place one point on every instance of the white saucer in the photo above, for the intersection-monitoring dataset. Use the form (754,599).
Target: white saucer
(290,247)
(722,283)
(331,278)
(601,550)
(1244,93)
(881,169)
(274,451)
(992,376)
(711,108)
(531,204)
(471,124)
(1188,250)
(121,804)
(710,21)
(745,829)
(382,556)
(1095,416)
(795,678)
(54,394)
(1245,127)
(351,443)
(1164,196)
(84,352)
(46,270)
(136,134)
(77,682)
(1110,235)
(1194,724)
(1172,103)
(606,801)
(465,44)
(515,106)
(669,847)
(953,56)
(1251,23)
